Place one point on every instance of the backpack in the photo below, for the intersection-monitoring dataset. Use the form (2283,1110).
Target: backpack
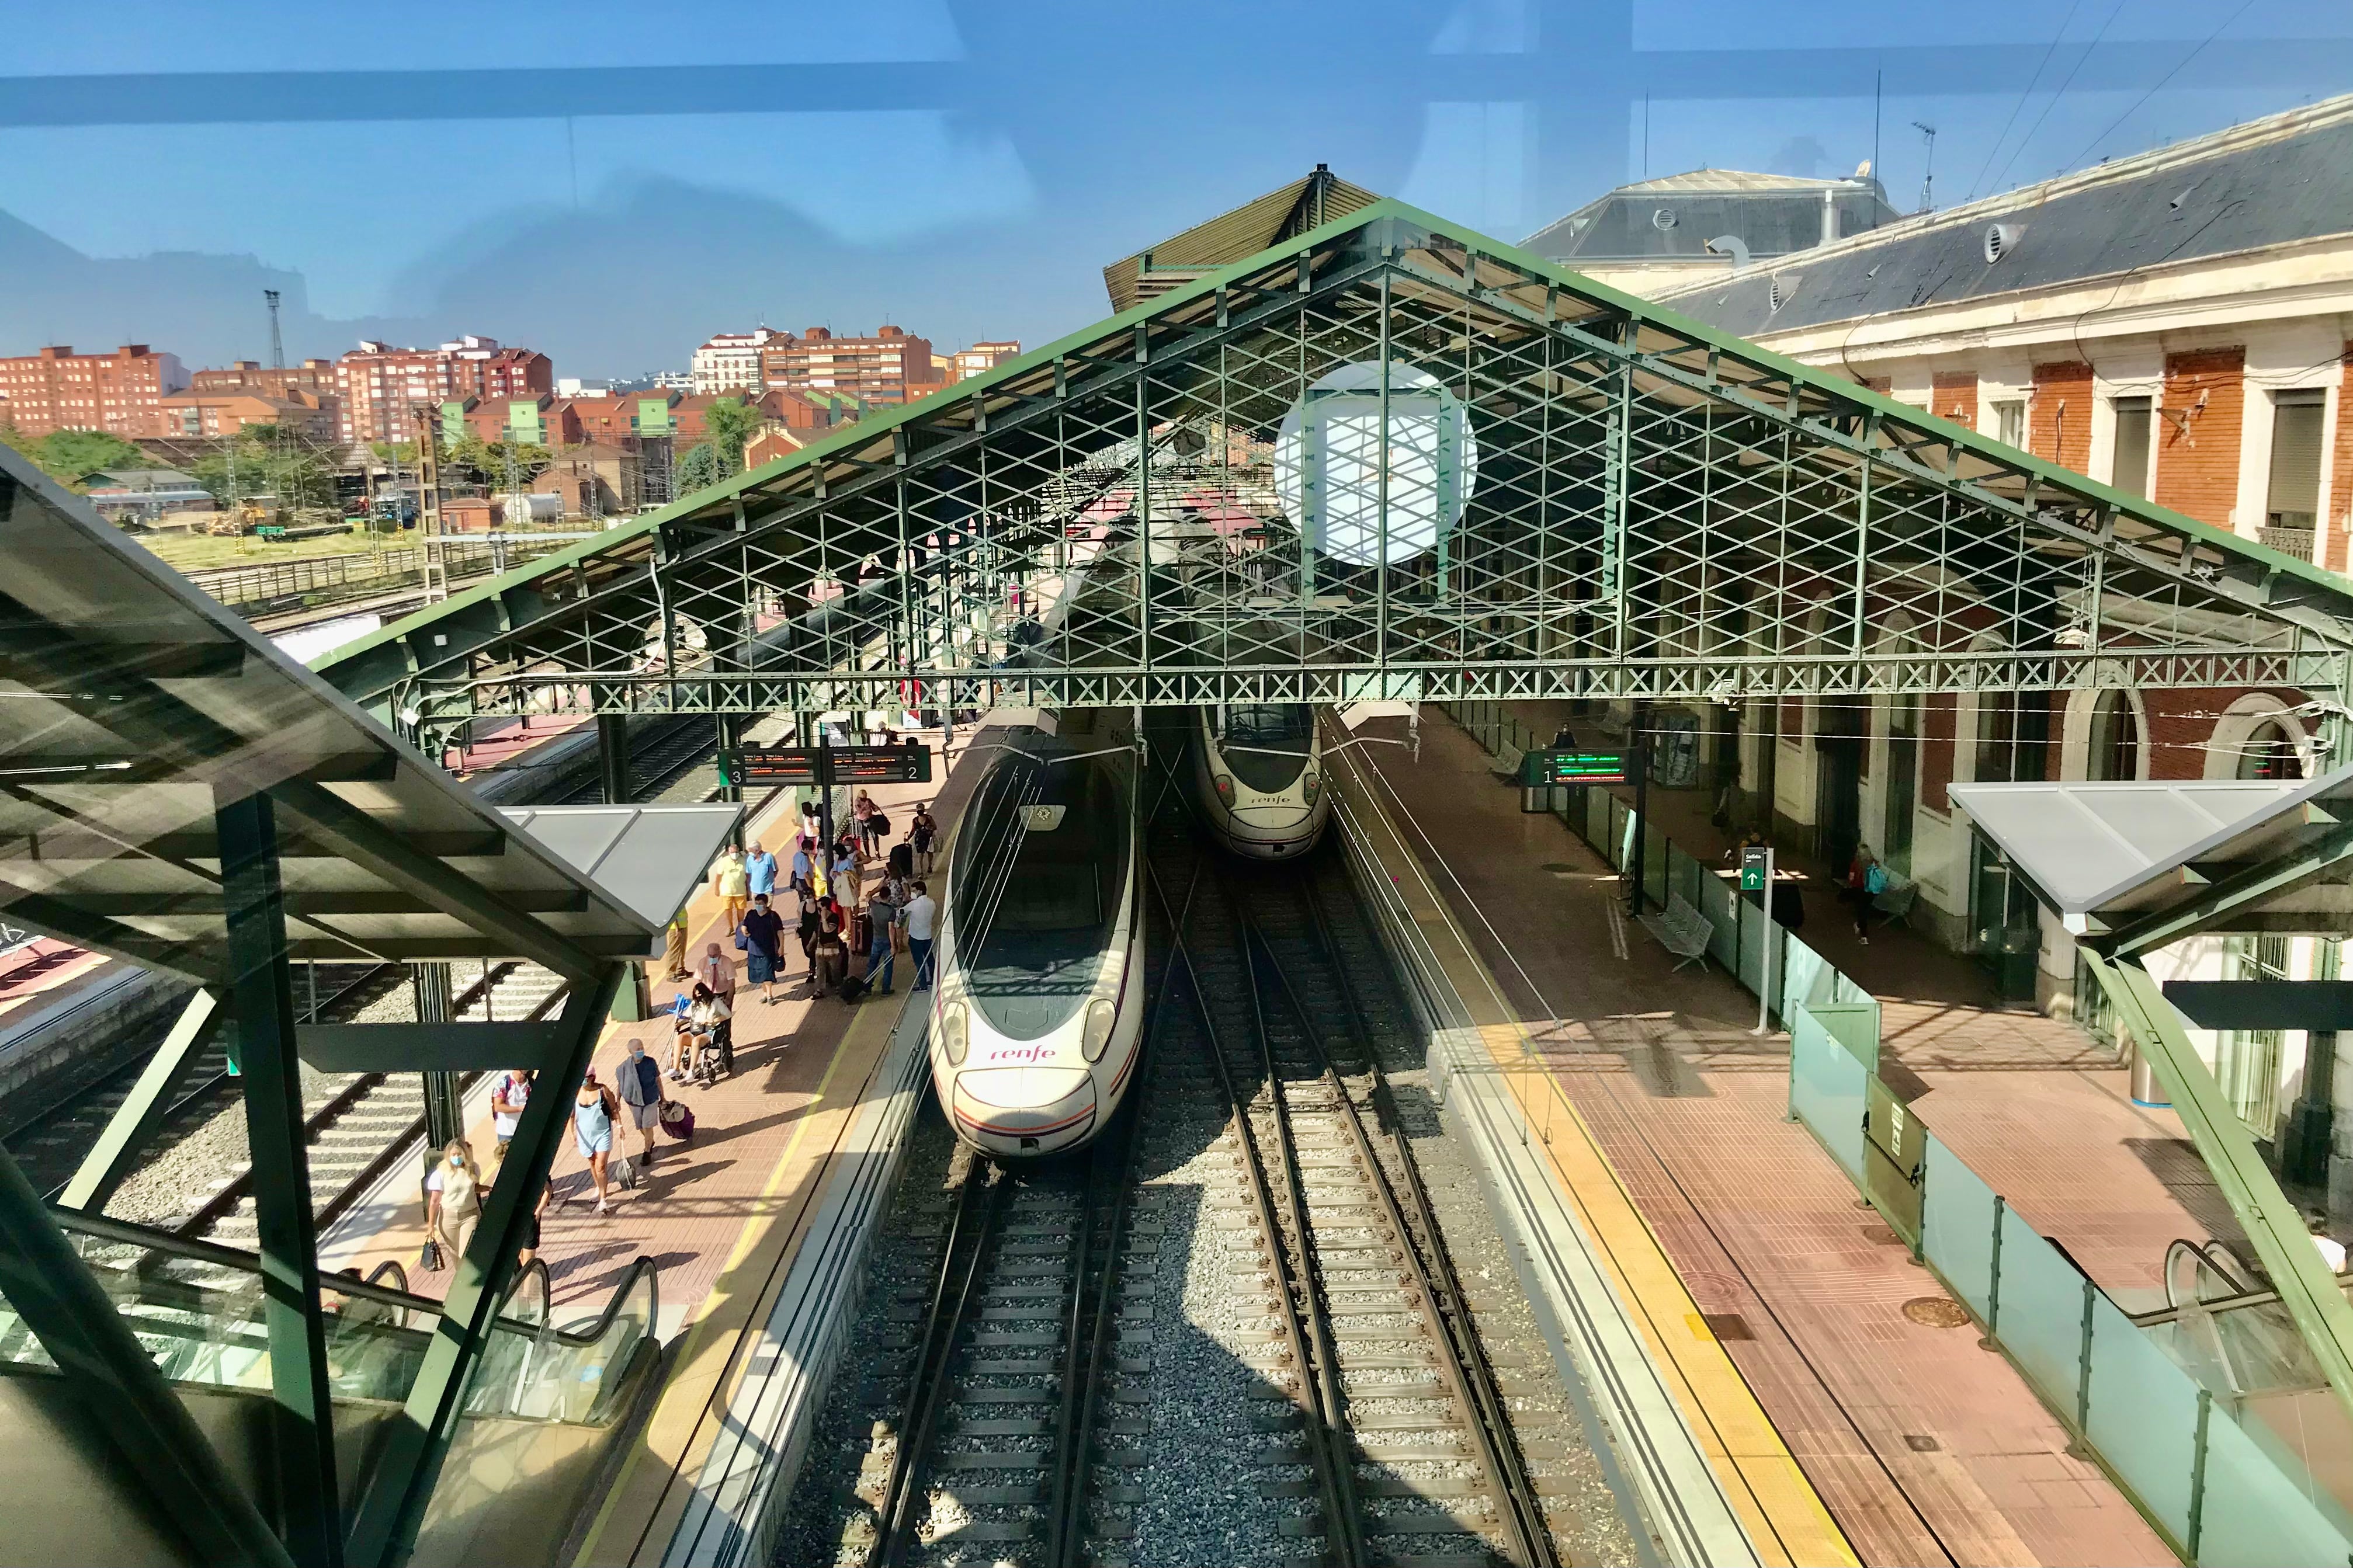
(1875,880)
(879,826)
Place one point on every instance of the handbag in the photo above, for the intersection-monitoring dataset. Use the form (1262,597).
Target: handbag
(429,1258)
(740,944)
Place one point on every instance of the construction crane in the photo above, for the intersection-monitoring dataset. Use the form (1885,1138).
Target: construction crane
(276,343)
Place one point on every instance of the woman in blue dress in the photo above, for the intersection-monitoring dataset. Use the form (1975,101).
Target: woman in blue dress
(593,1113)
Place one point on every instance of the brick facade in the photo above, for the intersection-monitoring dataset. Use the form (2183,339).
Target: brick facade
(1953,396)
(2059,416)
(1936,741)
(2197,435)
(119,392)
(2336,528)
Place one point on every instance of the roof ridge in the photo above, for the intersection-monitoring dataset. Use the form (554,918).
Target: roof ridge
(2300,121)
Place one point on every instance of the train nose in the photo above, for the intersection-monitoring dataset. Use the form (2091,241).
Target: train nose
(1025,1109)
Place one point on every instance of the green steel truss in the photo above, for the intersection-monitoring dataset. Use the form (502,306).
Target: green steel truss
(1657,510)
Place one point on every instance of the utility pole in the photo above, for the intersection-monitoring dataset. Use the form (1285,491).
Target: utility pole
(428,501)
(277,344)
(1929,169)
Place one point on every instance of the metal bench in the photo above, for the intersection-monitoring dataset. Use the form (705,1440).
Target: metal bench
(1682,929)
(1895,900)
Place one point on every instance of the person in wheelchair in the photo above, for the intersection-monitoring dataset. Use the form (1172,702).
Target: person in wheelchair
(706,1037)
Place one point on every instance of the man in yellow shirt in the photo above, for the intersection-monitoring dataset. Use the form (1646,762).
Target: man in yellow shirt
(732,884)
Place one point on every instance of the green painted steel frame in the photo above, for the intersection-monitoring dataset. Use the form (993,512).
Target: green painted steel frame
(262,997)
(2315,1298)
(141,1114)
(44,1279)
(1720,486)
(409,1463)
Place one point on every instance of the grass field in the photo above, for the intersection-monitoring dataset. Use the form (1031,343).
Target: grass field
(195,552)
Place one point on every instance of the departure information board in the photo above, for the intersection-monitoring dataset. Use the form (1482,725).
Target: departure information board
(1538,769)
(910,764)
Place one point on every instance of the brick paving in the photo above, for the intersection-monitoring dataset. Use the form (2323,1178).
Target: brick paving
(1926,1448)
(692,1210)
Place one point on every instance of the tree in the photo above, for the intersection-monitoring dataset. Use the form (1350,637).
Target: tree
(273,461)
(701,467)
(732,423)
(66,456)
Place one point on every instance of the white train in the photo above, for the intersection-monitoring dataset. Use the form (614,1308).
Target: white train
(1038,998)
(1258,778)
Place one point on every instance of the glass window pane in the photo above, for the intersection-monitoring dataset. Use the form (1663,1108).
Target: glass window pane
(1957,1224)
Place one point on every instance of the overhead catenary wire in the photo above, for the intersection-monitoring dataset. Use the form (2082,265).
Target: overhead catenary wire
(2243,6)
(2113,12)
(2025,93)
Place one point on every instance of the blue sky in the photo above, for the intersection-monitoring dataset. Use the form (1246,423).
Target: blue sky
(614,185)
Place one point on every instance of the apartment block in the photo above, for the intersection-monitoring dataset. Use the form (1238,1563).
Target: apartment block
(200,415)
(119,392)
(966,362)
(888,367)
(730,361)
(314,376)
(380,384)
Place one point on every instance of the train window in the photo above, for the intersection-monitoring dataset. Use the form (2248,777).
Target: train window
(1269,726)
(1049,897)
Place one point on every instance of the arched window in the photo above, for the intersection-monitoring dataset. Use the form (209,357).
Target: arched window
(2115,749)
(2269,752)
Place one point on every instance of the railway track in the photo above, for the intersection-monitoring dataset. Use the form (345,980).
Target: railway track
(1030,1390)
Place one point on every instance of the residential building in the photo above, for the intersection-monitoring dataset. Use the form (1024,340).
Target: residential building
(119,392)
(380,384)
(208,415)
(971,362)
(889,367)
(543,421)
(144,496)
(2175,325)
(314,376)
(1658,235)
(730,361)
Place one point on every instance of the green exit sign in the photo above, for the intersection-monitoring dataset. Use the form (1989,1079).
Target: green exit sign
(1538,769)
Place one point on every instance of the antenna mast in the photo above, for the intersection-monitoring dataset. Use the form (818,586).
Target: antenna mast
(277,344)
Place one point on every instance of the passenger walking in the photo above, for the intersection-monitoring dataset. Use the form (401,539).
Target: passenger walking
(530,1248)
(832,953)
(922,912)
(640,1084)
(922,833)
(718,970)
(1866,878)
(801,868)
(507,1098)
(810,923)
(453,1200)
(594,1112)
(860,810)
(759,872)
(847,871)
(882,918)
(764,939)
(730,882)
(674,937)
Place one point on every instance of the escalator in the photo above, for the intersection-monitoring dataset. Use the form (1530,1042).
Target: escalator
(544,1410)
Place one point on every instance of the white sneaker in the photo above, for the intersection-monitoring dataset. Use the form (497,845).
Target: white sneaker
(603,1207)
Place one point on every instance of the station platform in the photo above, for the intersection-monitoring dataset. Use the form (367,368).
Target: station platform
(1919,1445)
(722,1215)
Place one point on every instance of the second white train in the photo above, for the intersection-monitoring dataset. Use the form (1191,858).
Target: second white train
(1258,778)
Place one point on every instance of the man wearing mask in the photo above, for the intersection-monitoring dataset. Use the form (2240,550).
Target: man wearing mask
(640,1083)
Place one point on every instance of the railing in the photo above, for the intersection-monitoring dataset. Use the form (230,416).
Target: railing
(2212,1418)
(272,582)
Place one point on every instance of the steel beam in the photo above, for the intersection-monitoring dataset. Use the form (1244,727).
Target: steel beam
(430,1048)
(137,1119)
(262,996)
(2314,1298)
(169,1457)
(391,1509)
(355,836)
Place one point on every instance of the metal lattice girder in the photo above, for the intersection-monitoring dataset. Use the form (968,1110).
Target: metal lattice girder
(1607,501)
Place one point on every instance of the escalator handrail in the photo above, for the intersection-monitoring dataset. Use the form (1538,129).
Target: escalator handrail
(2245,1299)
(641,1266)
(247,1265)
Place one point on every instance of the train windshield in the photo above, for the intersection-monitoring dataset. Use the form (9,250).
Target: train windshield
(1266,747)
(1034,893)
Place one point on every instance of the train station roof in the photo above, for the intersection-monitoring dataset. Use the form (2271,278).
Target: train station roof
(2137,864)
(133,708)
